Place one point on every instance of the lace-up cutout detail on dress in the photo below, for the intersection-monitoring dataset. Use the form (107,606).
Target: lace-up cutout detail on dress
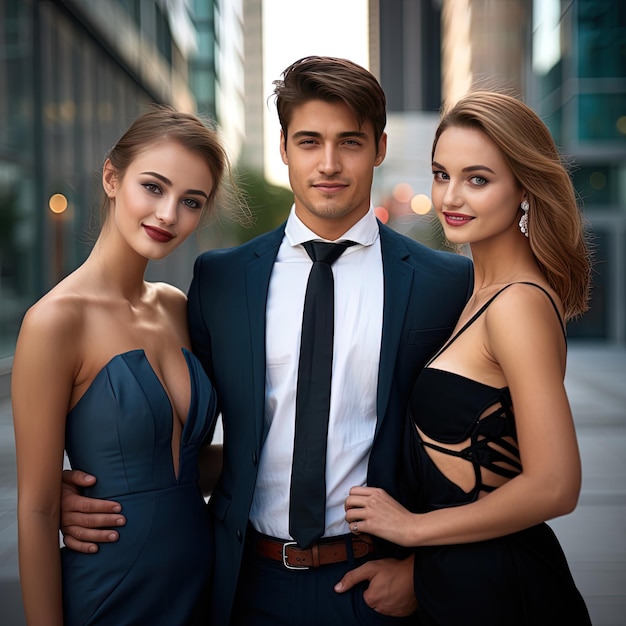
(474,414)
(463,444)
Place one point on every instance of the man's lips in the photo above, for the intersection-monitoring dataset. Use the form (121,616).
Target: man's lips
(162,236)
(330,186)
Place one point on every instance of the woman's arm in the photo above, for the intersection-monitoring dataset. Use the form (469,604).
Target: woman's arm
(42,379)
(525,340)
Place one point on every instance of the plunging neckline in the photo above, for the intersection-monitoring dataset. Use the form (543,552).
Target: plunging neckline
(141,351)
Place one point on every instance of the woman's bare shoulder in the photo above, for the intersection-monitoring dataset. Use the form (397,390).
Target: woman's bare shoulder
(527,303)
(171,298)
(60,311)
(169,292)
(524,324)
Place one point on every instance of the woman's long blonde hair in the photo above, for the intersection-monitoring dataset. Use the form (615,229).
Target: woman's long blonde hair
(555,226)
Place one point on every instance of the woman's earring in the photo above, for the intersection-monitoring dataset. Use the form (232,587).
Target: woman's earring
(523,222)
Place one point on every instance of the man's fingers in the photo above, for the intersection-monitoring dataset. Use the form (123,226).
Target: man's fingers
(79,546)
(354,577)
(73,503)
(93,535)
(78,478)
(99,521)
(85,540)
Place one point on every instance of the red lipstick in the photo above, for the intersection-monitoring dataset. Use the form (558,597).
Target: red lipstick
(162,236)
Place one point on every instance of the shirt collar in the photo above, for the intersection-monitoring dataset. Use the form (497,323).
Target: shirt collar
(364,232)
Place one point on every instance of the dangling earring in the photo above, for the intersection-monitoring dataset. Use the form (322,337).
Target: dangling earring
(523,222)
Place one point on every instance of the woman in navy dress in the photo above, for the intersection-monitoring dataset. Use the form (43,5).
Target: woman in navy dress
(492,451)
(103,369)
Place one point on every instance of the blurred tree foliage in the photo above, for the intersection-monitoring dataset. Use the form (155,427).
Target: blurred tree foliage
(269,206)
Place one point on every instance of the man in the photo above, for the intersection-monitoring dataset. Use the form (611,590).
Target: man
(395,303)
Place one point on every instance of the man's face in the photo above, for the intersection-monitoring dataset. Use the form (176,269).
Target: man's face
(331,164)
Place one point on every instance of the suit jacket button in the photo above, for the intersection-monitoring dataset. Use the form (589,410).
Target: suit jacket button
(239,536)
(255,458)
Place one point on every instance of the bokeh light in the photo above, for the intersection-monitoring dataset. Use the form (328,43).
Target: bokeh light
(57,203)
(597,180)
(382,214)
(402,192)
(421,204)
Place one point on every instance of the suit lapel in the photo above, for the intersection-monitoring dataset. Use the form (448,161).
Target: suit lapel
(398,278)
(258,273)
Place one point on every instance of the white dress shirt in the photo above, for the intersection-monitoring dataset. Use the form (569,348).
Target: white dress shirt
(358,275)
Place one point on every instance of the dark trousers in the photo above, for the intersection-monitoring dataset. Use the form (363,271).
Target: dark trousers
(268,594)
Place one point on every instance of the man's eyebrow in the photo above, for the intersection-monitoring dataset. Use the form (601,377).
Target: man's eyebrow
(317,135)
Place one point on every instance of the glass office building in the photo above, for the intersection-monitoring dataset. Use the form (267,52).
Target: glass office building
(579,87)
(73,75)
(567,59)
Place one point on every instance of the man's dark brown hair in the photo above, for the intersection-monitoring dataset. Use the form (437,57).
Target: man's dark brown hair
(332,80)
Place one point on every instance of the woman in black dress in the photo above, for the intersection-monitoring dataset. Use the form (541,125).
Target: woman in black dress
(493,451)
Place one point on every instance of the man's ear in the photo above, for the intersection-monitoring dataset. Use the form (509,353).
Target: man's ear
(381,150)
(109,179)
(283,148)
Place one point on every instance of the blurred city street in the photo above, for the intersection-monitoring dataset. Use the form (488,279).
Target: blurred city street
(593,537)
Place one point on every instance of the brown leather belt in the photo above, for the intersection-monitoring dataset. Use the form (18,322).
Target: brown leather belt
(323,553)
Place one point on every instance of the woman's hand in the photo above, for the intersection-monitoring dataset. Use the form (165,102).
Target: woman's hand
(372,510)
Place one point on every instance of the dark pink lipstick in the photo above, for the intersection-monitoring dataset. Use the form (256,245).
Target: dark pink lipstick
(456,219)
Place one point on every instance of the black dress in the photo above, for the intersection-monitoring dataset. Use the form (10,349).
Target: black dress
(519,579)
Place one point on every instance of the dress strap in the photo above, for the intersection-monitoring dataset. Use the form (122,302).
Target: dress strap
(483,308)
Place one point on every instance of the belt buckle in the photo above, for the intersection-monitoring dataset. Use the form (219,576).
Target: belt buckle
(285,563)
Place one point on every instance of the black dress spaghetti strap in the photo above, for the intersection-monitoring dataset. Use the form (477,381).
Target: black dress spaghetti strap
(521,579)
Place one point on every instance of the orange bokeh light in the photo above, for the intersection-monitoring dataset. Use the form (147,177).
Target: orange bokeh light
(402,192)
(421,204)
(382,214)
(57,203)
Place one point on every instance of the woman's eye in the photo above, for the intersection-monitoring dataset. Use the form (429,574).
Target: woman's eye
(152,187)
(192,204)
(479,180)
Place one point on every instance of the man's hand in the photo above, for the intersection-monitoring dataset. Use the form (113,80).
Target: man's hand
(84,521)
(390,591)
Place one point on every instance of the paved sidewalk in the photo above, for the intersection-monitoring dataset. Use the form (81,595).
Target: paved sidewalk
(593,537)
(10,603)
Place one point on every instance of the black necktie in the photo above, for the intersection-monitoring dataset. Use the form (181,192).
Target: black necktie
(307,509)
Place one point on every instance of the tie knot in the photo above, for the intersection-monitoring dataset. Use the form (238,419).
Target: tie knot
(325,252)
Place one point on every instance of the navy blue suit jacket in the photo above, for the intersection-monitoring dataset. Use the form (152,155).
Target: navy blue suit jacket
(424,293)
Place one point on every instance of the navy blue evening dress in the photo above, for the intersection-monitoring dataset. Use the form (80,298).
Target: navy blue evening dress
(120,431)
